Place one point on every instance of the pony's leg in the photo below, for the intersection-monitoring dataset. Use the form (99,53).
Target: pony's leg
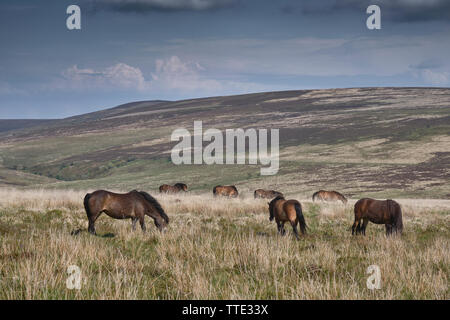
(355,227)
(91,227)
(388,229)
(142,223)
(279,227)
(92,219)
(133,223)
(283,231)
(364,225)
(359,228)
(294,227)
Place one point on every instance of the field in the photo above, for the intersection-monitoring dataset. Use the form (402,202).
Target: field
(217,249)
(364,142)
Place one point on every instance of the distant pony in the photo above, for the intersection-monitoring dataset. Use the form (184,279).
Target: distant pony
(387,212)
(177,187)
(134,205)
(267,194)
(225,191)
(283,210)
(328,196)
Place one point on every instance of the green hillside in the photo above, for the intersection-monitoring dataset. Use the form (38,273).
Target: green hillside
(363,141)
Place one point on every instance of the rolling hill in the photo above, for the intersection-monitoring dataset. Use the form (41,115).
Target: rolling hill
(376,142)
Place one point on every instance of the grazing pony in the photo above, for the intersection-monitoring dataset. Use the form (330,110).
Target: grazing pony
(267,194)
(283,210)
(177,187)
(387,212)
(329,196)
(225,191)
(133,205)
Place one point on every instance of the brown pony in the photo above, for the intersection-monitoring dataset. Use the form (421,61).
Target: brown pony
(283,210)
(226,191)
(134,204)
(387,212)
(268,194)
(177,187)
(328,196)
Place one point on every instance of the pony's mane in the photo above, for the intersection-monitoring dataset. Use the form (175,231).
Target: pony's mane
(155,204)
(179,184)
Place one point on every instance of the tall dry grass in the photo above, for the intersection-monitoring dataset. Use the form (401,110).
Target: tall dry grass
(216,249)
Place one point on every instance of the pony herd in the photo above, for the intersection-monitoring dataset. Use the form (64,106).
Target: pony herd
(135,205)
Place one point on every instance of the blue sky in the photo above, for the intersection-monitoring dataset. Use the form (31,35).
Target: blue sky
(130,50)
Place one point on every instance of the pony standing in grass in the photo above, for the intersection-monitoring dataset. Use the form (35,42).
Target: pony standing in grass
(177,187)
(323,195)
(226,191)
(267,194)
(133,205)
(283,210)
(387,212)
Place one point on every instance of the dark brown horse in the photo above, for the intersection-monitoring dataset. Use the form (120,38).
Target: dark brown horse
(267,194)
(177,187)
(133,205)
(226,191)
(328,196)
(283,210)
(387,212)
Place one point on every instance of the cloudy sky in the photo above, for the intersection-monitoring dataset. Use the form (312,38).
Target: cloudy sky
(129,50)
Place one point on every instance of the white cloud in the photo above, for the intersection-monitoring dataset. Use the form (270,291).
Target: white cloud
(170,76)
(436,78)
(120,76)
(172,73)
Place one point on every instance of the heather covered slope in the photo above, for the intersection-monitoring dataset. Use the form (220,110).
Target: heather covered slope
(362,141)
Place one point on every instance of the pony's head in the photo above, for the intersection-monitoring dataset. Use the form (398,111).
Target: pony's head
(181,186)
(161,224)
(234,192)
(162,220)
(396,214)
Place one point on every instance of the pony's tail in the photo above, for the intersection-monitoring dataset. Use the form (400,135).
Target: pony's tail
(395,209)
(314,196)
(86,204)
(300,218)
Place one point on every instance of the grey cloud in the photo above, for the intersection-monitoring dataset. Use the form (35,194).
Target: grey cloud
(427,64)
(395,10)
(143,6)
